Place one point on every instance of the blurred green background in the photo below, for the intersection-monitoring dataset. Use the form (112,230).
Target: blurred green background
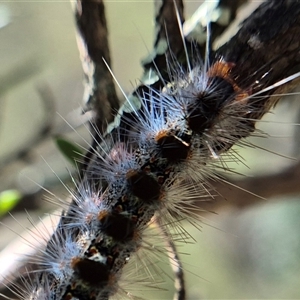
(249,253)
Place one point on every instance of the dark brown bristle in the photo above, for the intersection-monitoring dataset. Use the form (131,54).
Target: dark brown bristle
(201,113)
(143,185)
(69,296)
(118,226)
(173,148)
(92,272)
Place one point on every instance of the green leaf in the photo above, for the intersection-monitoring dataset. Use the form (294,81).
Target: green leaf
(8,200)
(69,150)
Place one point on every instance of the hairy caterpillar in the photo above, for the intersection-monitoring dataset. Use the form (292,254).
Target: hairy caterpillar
(166,111)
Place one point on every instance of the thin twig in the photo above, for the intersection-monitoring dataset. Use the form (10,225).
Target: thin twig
(175,262)
(241,192)
(92,38)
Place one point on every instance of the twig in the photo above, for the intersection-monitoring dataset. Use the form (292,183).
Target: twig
(241,192)
(263,54)
(100,94)
(175,262)
(218,15)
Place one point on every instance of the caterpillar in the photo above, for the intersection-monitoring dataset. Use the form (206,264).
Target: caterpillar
(147,165)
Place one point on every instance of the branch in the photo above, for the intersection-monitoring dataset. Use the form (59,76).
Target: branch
(100,94)
(241,193)
(265,50)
